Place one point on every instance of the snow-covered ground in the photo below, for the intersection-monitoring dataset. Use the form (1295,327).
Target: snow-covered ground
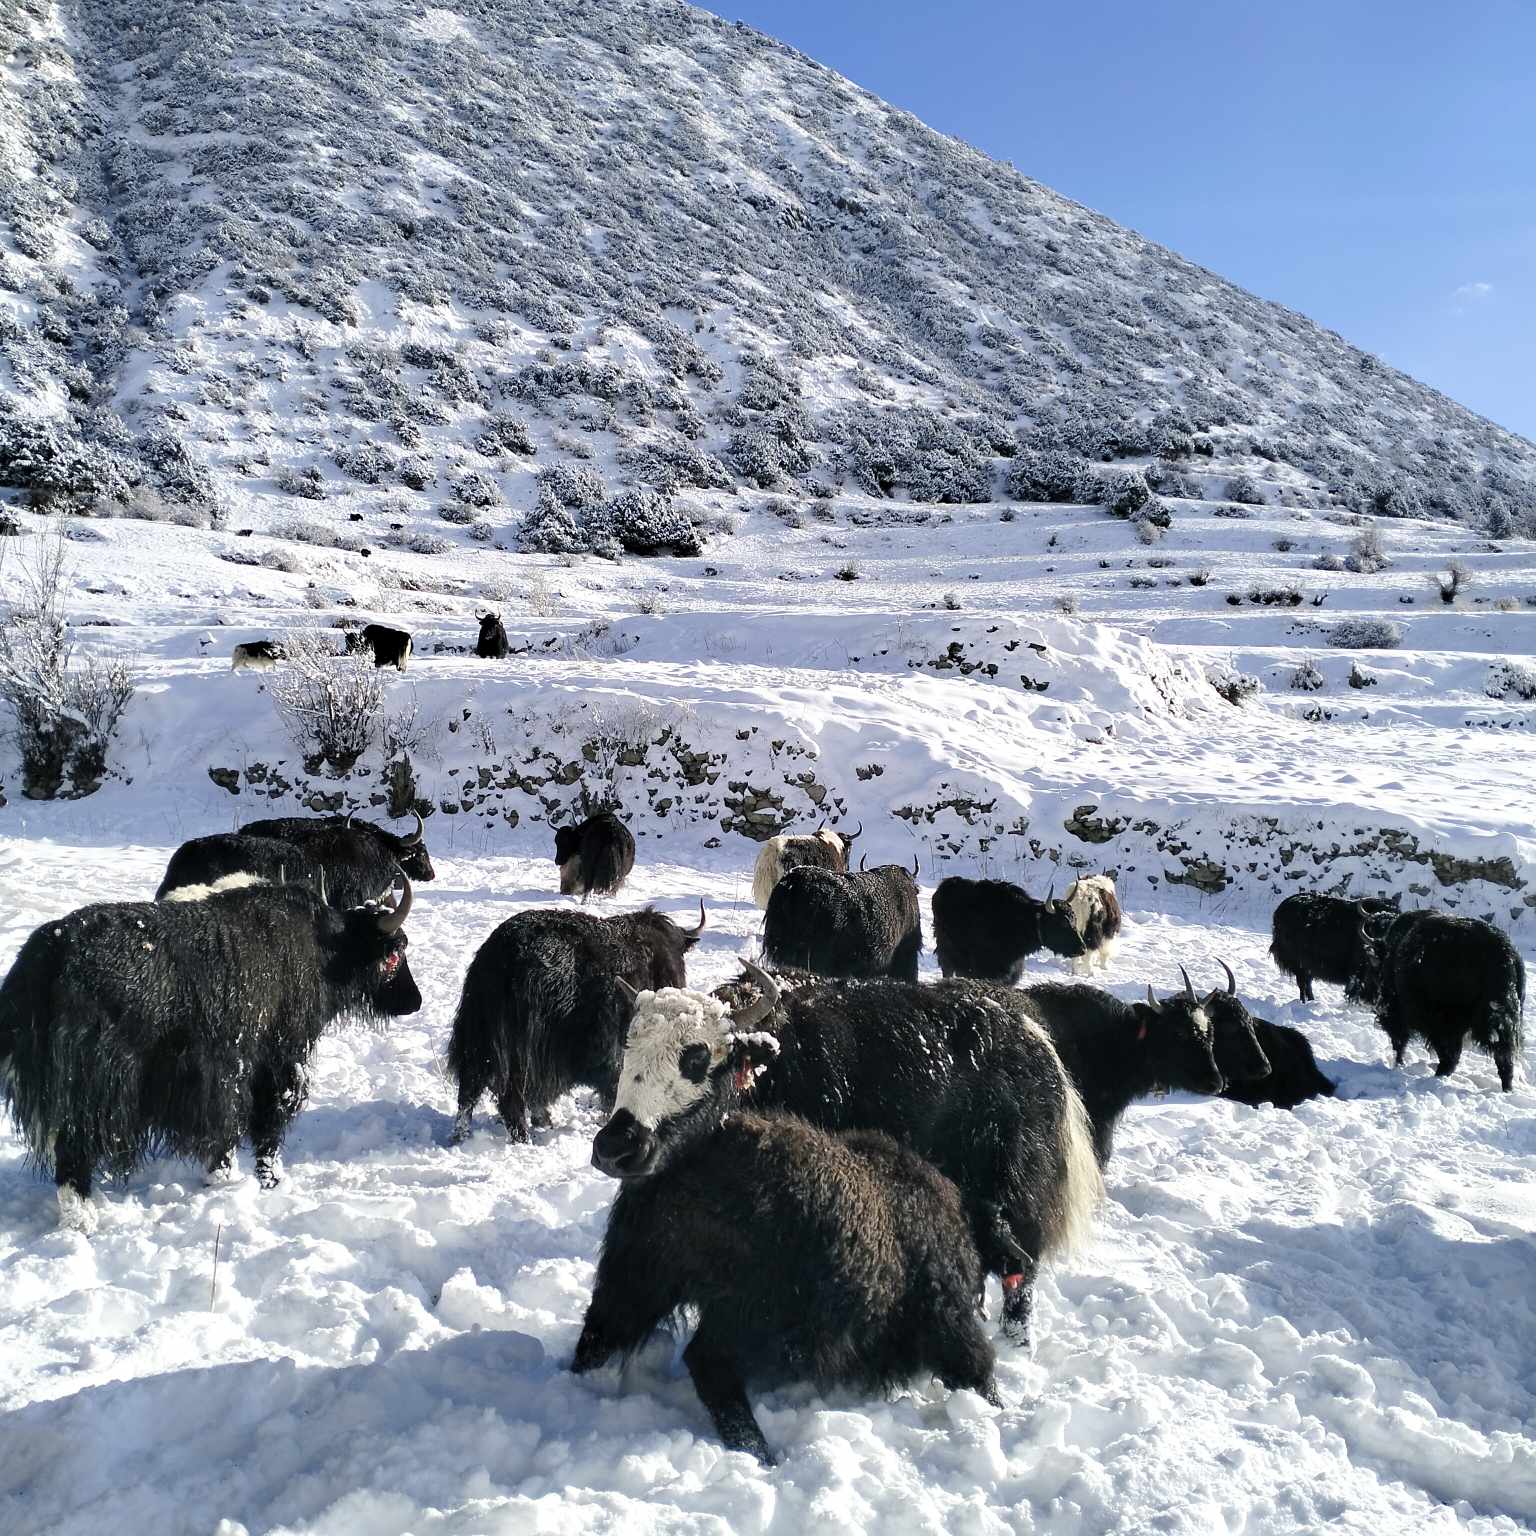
(1287,1322)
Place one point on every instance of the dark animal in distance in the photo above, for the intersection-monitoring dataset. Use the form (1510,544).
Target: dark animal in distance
(955,1071)
(389,647)
(131,1029)
(1446,980)
(1293,1076)
(987,929)
(1321,938)
(492,644)
(595,858)
(843,1258)
(542,1012)
(257,656)
(1118,1052)
(824,849)
(861,924)
(352,862)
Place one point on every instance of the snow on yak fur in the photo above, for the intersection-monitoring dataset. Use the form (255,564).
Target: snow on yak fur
(823,849)
(957,1071)
(541,1011)
(1096,917)
(862,924)
(133,1029)
(987,929)
(1322,938)
(1293,1076)
(595,858)
(357,856)
(1447,980)
(845,1259)
(1118,1051)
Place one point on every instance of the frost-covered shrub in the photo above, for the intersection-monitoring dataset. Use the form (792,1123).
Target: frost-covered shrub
(550,529)
(458,514)
(1366,635)
(756,457)
(477,489)
(504,434)
(418,541)
(49,460)
(1234,686)
(1328,561)
(1511,680)
(417,473)
(1230,509)
(577,486)
(367,462)
(644,523)
(1367,553)
(1245,490)
(307,482)
(1306,678)
(330,704)
(1123,493)
(1044,475)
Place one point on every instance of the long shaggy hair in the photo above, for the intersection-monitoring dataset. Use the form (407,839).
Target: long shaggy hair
(595,858)
(823,849)
(862,924)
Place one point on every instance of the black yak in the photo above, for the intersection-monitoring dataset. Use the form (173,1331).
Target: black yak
(1320,938)
(341,844)
(224,859)
(257,656)
(1446,980)
(388,647)
(861,924)
(845,1259)
(1118,1052)
(986,929)
(823,849)
(1293,1076)
(955,1071)
(595,858)
(541,1012)
(132,1029)
(492,644)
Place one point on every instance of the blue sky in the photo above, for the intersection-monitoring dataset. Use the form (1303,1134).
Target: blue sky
(1370,164)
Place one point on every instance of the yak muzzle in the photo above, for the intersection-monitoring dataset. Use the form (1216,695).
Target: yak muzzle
(625,1149)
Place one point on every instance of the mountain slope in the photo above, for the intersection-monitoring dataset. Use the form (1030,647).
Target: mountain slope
(318,246)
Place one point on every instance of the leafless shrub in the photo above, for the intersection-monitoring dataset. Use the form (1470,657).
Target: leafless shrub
(1367,553)
(1456,579)
(330,704)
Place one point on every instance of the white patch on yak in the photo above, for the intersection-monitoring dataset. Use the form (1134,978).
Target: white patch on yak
(239,881)
(651,1084)
(1202,1023)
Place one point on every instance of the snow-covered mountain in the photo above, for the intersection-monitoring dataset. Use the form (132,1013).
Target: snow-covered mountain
(256,251)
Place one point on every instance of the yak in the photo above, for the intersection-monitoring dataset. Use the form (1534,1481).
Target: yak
(130,1029)
(223,858)
(389,647)
(492,644)
(541,1013)
(1446,980)
(861,924)
(1096,917)
(1321,938)
(342,842)
(257,656)
(1293,1076)
(844,1258)
(595,858)
(954,1071)
(986,929)
(824,849)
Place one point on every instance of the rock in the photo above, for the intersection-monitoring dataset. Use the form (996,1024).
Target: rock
(226,778)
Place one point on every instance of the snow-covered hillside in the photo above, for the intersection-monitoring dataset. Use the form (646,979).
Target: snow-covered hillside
(320,314)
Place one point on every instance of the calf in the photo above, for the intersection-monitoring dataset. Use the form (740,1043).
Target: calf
(957,1072)
(1321,938)
(492,644)
(541,1012)
(389,647)
(825,849)
(988,928)
(1447,980)
(862,924)
(135,1028)
(843,1258)
(1293,1076)
(257,656)
(1117,1051)
(595,859)
(1096,918)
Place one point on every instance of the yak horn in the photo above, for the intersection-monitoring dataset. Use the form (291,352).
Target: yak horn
(914,866)
(1050,892)
(626,989)
(693,933)
(766,1003)
(1189,986)
(848,837)
(1231,979)
(1152,1001)
(861,863)
(393,922)
(414,840)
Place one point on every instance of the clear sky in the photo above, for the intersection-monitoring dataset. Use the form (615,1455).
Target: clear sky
(1371,163)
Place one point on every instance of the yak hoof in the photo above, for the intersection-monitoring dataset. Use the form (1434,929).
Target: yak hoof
(269,1172)
(1016,1331)
(76,1212)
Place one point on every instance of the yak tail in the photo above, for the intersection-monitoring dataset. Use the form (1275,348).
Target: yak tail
(1069,1219)
(766,872)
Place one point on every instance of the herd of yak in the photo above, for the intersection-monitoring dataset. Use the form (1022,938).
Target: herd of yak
(824,1157)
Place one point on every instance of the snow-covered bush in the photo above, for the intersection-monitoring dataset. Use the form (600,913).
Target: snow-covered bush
(308,482)
(1245,490)
(367,462)
(477,489)
(330,703)
(1367,553)
(1044,475)
(1511,680)
(577,486)
(644,523)
(1124,493)
(504,434)
(1234,686)
(1366,635)
(550,529)
(1306,678)
(63,713)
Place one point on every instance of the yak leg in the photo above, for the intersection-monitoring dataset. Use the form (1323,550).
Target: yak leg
(474,1079)
(73,1166)
(718,1381)
(964,1358)
(619,1317)
(513,1109)
(903,966)
(1504,1060)
(1304,986)
(276,1093)
(1448,1054)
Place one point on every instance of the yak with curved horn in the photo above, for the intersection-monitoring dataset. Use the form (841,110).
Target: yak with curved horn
(824,849)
